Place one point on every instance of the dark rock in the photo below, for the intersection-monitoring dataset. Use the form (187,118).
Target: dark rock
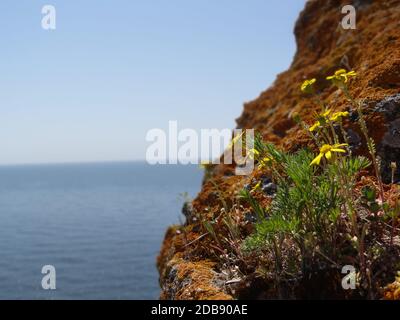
(355,140)
(362,4)
(270,189)
(267,186)
(247,187)
(187,210)
(389,151)
(250,217)
(228,173)
(353,115)
(389,106)
(389,147)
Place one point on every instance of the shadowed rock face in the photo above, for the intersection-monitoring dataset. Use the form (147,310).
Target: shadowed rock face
(389,147)
(373,50)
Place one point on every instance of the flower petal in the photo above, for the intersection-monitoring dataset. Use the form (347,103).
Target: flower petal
(326,113)
(340,145)
(338,150)
(340,71)
(314,126)
(317,159)
(328,155)
(256,187)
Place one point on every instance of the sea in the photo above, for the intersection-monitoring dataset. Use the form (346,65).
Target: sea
(88,231)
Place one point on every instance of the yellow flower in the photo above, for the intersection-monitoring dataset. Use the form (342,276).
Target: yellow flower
(253,153)
(256,187)
(339,115)
(326,113)
(235,139)
(326,151)
(307,86)
(264,162)
(341,76)
(323,118)
(315,126)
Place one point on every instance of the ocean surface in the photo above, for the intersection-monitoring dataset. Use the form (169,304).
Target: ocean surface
(100,225)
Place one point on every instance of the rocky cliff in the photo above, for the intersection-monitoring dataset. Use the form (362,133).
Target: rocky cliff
(202,262)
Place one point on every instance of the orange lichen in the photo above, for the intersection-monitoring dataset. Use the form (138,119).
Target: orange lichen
(392,291)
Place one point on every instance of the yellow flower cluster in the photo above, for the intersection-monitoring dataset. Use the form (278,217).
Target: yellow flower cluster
(264,162)
(307,86)
(326,117)
(341,76)
(253,154)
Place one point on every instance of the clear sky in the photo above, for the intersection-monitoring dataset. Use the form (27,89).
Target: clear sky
(91,89)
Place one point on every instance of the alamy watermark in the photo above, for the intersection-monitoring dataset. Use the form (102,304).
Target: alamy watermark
(49,17)
(350,19)
(187,146)
(49,279)
(350,278)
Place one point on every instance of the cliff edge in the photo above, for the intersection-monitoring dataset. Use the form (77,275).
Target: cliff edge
(203,259)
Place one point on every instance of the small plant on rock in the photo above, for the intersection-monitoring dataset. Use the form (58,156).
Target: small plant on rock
(317,219)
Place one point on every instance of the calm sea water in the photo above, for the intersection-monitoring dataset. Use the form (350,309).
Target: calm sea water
(99,225)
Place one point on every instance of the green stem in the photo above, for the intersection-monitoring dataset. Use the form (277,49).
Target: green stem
(369,141)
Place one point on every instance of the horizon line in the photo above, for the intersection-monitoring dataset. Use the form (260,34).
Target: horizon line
(88,162)
(69,162)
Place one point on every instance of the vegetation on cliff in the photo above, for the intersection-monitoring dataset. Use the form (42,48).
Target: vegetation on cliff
(321,217)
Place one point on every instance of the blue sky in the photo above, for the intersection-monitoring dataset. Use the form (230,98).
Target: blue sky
(112,70)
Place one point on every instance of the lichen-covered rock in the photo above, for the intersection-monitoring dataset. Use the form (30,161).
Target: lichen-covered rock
(392,291)
(187,280)
(182,279)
